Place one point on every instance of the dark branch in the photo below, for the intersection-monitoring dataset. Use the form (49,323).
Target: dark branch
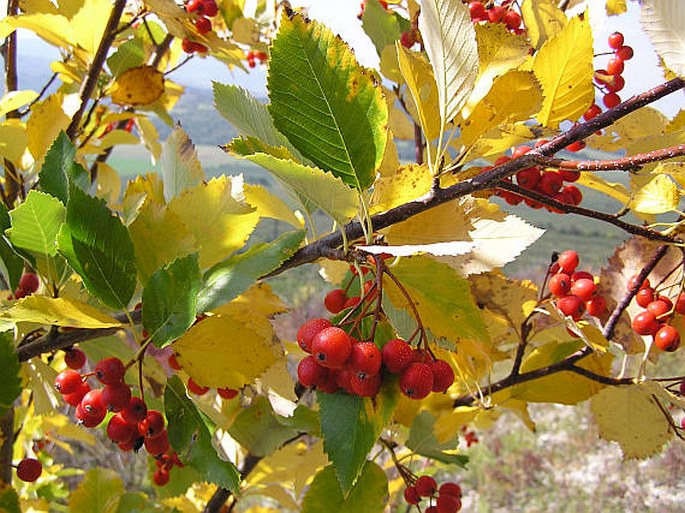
(632,162)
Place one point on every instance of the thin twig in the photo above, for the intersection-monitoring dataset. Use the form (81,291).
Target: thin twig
(632,162)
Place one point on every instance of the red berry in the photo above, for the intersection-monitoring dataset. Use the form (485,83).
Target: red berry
(625,53)
(452,489)
(571,306)
(307,331)
(611,100)
(397,355)
(94,404)
(227,393)
(120,431)
(116,397)
(187,45)
(596,306)
(194,6)
(29,283)
(584,288)
(616,40)
(550,182)
(203,25)
(680,304)
(75,397)
(75,358)
(616,84)
(136,410)
(210,8)
(667,338)
(443,375)
(343,378)
(574,193)
(411,496)
(29,470)
(353,301)
(477,10)
(594,111)
(110,371)
(173,362)
(407,39)
(528,178)
(426,486)
(615,66)
(633,280)
(365,385)
(448,504)
(196,389)
(579,275)
(431,509)
(660,308)
(335,301)
(645,323)
(568,261)
(417,381)
(68,381)
(310,373)
(496,13)
(512,19)
(365,358)
(160,477)
(152,425)
(157,445)
(332,347)
(576,146)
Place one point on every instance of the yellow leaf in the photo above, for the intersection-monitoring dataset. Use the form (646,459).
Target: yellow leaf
(500,106)
(615,190)
(138,190)
(543,20)
(220,223)
(279,381)
(46,121)
(499,51)
(246,31)
(108,183)
(399,123)
(630,129)
(60,312)
(64,427)
(15,99)
(615,7)
(233,347)
(150,137)
(114,138)
(510,298)
(633,417)
(675,170)
(159,237)
(138,86)
(13,141)
(418,74)
(389,65)
(89,24)
(53,28)
(270,205)
(563,67)
(405,184)
(41,381)
(658,196)
(495,141)
(446,426)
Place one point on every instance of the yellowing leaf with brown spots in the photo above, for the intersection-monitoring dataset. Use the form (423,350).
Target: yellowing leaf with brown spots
(405,184)
(510,298)
(138,86)
(632,416)
(60,312)
(234,346)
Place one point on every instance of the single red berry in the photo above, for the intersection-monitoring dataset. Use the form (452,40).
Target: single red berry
(576,146)
(74,358)
(173,362)
(574,193)
(75,397)
(448,504)
(94,404)
(203,25)
(29,470)
(353,301)
(157,445)
(194,6)
(120,431)
(116,397)
(616,84)
(89,419)
(29,283)
(611,100)
(426,486)
(528,178)
(584,288)
(512,20)
(160,477)
(335,301)
(187,45)
(560,285)
(568,261)
(519,151)
(365,358)
(596,306)
(417,381)
(411,496)
(594,111)
(397,355)
(645,323)
(616,40)
(667,338)
(615,66)
(307,331)
(571,306)
(136,410)
(452,489)
(68,381)
(330,385)
(227,393)
(443,375)
(660,308)
(477,10)
(152,425)
(343,378)
(496,13)
(365,385)
(680,304)
(579,275)
(633,280)
(196,389)
(332,347)
(310,373)
(110,371)
(210,8)
(625,53)
(550,182)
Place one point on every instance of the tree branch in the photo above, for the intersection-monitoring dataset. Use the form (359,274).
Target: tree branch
(632,162)
(6,445)
(221,495)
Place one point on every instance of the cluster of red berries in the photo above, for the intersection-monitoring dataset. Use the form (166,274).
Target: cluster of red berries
(253,56)
(28,284)
(549,182)
(203,9)
(575,291)
(164,463)
(133,426)
(611,79)
(658,311)
(446,499)
(29,470)
(496,14)
(194,388)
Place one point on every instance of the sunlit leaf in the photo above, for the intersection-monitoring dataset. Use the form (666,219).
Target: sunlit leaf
(46,122)
(664,23)
(543,20)
(59,311)
(181,169)
(16,99)
(270,205)
(98,492)
(422,441)
(36,223)
(89,24)
(11,264)
(257,429)
(60,168)
(658,196)
(381,25)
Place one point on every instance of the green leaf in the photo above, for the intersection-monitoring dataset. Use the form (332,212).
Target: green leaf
(304,420)
(99,492)
(60,168)
(98,247)
(258,429)
(381,25)
(339,119)
(11,264)
(369,495)
(313,185)
(10,382)
(9,500)
(169,300)
(230,278)
(36,223)
(128,55)
(190,437)
(181,169)
(351,425)
(422,441)
(450,41)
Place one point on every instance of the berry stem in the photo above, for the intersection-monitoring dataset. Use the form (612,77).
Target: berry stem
(422,337)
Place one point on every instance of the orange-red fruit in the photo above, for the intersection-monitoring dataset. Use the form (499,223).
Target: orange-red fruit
(645,323)
(571,306)
(452,489)
(116,397)
(680,304)
(332,347)
(667,338)
(443,375)
(194,5)
(633,280)
(615,66)
(660,307)
(616,40)
(210,8)
(611,100)
(203,25)
(335,301)
(568,261)
(560,284)
(310,373)
(308,330)
(365,358)
(596,306)
(584,288)
(29,470)
(417,381)
(157,445)
(196,389)
(227,393)
(68,381)
(411,496)
(74,358)
(75,397)
(397,355)
(29,283)
(160,477)
(136,410)
(173,362)
(625,53)
(426,486)
(364,385)
(152,425)
(109,371)
(120,431)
